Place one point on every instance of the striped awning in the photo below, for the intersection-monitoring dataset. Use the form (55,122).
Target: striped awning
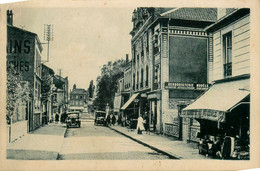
(218,100)
(129,101)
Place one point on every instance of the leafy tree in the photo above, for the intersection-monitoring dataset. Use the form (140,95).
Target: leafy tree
(91,89)
(17,90)
(107,83)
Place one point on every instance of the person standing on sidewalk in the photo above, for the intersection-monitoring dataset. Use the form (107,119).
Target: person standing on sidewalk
(140,125)
(146,122)
(57,118)
(113,120)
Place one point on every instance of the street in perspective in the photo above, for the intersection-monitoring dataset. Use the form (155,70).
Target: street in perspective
(143,83)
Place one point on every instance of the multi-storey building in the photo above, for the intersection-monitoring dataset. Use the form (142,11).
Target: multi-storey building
(78,99)
(224,109)
(47,93)
(24,53)
(169,64)
(60,95)
(123,87)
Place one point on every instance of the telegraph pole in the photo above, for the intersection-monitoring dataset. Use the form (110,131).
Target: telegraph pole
(48,36)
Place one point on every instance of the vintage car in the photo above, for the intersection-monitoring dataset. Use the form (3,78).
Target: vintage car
(100,118)
(73,119)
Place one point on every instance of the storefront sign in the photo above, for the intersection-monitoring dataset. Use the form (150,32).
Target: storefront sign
(185,86)
(208,114)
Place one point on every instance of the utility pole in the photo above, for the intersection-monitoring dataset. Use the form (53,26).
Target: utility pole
(48,36)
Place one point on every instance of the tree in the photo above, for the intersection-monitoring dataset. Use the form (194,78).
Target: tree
(17,90)
(91,89)
(107,83)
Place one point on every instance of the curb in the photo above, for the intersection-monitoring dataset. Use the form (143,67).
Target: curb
(64,136)
(147,145)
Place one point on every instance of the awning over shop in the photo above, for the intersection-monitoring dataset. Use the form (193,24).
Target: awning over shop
(218,100)
(129,101)
(117,103)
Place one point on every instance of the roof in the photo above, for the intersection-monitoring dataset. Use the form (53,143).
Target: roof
(78,91)
(234,15)
(196,14)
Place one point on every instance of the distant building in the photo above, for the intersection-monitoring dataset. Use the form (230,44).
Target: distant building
(60,94)
(78,99)
(24,53)
(47,93)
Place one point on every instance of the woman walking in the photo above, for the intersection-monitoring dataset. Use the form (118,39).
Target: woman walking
(140,125)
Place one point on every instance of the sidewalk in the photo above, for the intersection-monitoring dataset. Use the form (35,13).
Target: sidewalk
(42,144)
(173,148)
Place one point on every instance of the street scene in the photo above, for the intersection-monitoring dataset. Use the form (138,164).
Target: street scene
(141,83)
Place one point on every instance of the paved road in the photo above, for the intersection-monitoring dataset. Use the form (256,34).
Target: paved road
(101,143)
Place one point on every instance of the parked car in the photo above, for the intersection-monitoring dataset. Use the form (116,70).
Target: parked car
(100,118)
(73,119)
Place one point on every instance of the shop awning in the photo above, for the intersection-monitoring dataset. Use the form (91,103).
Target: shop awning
(218,100)
(129,101)
(117,103)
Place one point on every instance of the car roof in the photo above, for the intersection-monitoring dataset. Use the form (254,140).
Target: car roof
(100,112)
(69,113)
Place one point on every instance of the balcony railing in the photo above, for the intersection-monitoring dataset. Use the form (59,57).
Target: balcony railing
(228,69)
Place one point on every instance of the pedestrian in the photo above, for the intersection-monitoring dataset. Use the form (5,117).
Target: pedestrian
(140,125)
(56,118)
(113,120)
(108,120)
(146,122)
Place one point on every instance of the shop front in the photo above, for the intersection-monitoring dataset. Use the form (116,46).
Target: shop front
(131,111)
(223,112)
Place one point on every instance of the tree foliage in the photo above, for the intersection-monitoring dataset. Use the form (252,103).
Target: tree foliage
(17,90)
(107,83)
(91,89)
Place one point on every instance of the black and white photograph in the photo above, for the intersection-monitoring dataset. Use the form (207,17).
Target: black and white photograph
(109,83)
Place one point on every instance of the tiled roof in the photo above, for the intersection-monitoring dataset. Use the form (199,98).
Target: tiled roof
(198,14)
(78,91)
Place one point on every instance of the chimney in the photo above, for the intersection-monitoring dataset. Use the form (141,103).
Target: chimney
(126,58)
(10,17)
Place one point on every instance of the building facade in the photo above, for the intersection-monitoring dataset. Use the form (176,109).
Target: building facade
(78,99)
(60,95)
(170,64)
(223,111)
(47,88)
(24,53)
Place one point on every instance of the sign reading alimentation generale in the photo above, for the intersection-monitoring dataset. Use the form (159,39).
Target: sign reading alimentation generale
(185,86)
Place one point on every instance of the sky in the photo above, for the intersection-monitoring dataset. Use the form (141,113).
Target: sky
(84,38)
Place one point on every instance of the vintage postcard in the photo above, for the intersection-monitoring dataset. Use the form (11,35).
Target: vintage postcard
(142,85)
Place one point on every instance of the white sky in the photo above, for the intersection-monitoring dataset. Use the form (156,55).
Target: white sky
(84,38)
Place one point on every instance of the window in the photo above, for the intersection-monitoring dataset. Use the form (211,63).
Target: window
(81,97)
(227,54)
(77,96)
(142,78)
(134,82)
(147,41)
(137,81)
(133,53)
(147,74)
